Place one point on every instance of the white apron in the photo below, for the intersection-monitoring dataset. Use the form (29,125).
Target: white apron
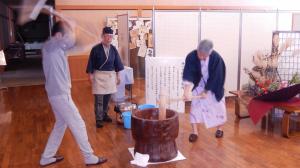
(208,111)
(104,82)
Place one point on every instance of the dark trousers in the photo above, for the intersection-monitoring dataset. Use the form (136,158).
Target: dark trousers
(101,106)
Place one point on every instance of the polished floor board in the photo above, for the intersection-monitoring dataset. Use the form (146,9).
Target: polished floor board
(26,120)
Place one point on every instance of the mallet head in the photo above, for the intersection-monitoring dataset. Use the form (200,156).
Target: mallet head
(37,9)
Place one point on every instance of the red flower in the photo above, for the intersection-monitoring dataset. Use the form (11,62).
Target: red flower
(268,82)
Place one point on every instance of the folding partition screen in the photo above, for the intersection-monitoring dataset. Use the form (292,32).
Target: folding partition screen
(223,29)
(257,31)
(285,20)
(176,33)
(236,35)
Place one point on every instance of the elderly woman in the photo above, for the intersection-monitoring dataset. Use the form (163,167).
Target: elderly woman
(204,76)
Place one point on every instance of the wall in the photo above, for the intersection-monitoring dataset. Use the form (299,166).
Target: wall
(287,4)
(6,26)
(93,13)
(77,67)
(79,55)
(296,22)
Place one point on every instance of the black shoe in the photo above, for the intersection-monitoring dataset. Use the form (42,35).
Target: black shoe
(117,109)
(219,134)
(107,119)
(58,158)
(193,137)
(99,124)
(101,160)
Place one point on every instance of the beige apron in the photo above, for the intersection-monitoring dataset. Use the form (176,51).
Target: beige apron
(104,82)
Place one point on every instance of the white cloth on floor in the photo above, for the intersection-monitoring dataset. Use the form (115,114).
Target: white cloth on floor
(177,158)
(208,110)
(140,159)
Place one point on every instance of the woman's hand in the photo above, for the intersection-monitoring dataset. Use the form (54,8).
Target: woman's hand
(203,94)
(91,77)
(187,95)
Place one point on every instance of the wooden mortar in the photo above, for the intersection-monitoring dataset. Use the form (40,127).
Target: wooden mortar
(153,136)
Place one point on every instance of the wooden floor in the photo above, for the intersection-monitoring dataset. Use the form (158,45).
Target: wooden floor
(26,121)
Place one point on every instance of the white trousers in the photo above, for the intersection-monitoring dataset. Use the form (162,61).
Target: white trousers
(67,115)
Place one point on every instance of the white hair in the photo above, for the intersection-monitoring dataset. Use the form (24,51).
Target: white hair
(205,46)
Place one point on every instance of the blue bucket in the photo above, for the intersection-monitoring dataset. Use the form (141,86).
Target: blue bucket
(127,119)
(146,106)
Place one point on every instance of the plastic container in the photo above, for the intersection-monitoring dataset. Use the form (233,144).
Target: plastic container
(127,119)
(146,106)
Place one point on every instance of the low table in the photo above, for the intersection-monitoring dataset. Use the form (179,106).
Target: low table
(285,124)
(241,97)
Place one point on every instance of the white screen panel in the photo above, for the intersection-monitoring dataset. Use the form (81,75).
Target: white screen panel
(257,31)
(296,22)
(223,29)
(176,33)
(285,21)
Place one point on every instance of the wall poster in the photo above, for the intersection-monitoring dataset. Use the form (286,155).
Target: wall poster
(165,72)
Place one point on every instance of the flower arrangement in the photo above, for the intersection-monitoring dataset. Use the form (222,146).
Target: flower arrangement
(264,87)
(264,75)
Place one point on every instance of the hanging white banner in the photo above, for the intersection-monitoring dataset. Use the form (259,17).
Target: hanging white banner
(165,72)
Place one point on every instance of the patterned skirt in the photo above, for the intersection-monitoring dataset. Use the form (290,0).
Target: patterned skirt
(208,110)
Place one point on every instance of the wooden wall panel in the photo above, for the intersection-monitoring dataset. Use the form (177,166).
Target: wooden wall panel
(77,66)
(11,26)
(95,23)
(6,26)
(1,35)
(2,18)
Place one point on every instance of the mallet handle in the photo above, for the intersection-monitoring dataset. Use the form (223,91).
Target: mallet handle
(181,99)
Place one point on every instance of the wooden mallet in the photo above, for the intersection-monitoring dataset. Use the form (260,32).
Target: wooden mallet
(163,101)
(162,104)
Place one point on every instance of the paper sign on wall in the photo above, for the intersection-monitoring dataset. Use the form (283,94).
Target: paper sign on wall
(165,72)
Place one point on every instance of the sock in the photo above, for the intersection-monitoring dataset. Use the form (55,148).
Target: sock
(91,159)
(45,161)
